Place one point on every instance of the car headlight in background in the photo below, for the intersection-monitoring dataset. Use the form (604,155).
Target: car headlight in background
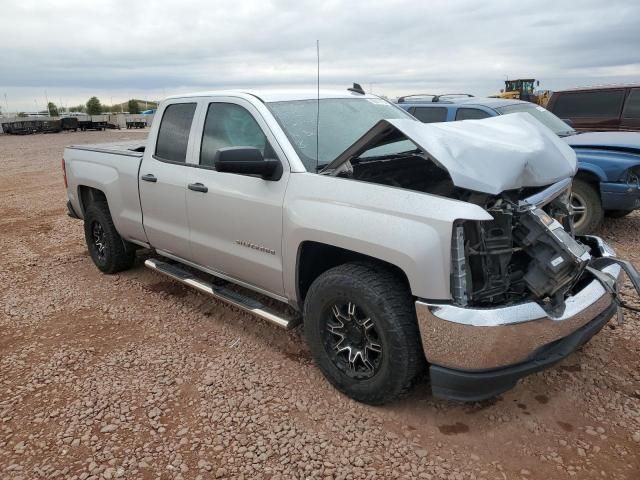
(632,176)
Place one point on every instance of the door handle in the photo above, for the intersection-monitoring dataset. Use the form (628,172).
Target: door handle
(198,187)
(149,177)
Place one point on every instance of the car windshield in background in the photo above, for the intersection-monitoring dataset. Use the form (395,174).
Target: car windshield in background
(543,115)
(342,122)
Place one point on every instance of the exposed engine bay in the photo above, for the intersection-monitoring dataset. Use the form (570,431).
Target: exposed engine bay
(516,170)
(527,251)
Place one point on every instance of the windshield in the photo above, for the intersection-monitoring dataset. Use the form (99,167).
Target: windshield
(342,122)
(543,115)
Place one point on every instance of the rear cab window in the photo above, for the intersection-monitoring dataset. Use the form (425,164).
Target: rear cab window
(597,103)
(430,114)
(173,134)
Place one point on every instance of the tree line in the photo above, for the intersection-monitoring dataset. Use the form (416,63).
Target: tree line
(93,106)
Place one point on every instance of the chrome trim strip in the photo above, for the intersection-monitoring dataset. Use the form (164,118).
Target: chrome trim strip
(548,194)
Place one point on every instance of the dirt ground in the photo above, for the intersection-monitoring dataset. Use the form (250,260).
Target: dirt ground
(134,376)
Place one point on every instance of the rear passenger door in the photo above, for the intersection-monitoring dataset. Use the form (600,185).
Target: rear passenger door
(236,224)
(631,112)
(163,179)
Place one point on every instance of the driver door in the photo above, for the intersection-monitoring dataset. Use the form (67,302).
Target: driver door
(236,219)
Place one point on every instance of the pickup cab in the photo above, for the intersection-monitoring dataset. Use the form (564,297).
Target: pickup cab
(401,246)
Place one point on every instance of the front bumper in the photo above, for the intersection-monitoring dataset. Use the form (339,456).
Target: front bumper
(620,196)
(477,353)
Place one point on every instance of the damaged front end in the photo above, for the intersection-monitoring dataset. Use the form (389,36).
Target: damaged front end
(513,167)
(525,291)
(526,252)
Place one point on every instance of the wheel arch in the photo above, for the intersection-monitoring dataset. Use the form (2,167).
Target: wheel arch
(591,174)
(315,258)
(88,195)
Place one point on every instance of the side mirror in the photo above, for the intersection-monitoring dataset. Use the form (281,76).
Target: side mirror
(568,121)
(247,161)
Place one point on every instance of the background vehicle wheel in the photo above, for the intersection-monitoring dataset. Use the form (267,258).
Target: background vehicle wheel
(617,213)
(108,251)
(588,212)
(361,327)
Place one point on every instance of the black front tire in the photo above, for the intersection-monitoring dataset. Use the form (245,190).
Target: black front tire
(109,252)
(383,297)
(586,195)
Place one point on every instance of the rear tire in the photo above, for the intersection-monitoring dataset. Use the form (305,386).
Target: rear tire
(361,327)
(109,252)
(617,213)
(585,197)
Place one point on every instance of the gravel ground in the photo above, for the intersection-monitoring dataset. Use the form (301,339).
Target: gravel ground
(134,376)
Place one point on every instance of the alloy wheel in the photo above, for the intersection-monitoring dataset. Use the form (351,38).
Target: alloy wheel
(99,240)
(579,209)
(352,341)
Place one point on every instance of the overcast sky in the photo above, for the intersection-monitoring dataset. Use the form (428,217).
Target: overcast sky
(122,49)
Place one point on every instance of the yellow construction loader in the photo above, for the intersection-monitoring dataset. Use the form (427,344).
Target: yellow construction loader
(524,89)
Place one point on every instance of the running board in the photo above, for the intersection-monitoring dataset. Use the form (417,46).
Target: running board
(224,294)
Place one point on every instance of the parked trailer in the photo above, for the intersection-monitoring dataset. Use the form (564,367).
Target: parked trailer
(20,127)
(136,121)
(69,123)
(116,121)
(50,126)
(92,122)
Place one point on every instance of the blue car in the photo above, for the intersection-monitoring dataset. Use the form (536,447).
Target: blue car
(608,178)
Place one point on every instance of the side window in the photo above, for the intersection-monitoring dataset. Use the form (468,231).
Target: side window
(600,103)
(632,107)
(471,114)
(230,125)
(430,114)
(173,135)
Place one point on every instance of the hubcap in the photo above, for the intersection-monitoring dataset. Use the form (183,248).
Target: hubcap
(99,240)
(578,206)
(352,341)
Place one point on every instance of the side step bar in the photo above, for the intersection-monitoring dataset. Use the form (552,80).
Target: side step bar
(227,295)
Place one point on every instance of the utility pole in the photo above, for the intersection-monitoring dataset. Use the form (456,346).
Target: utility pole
(6,103)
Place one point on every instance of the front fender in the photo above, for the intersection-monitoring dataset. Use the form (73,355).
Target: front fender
(408,229)
(607,165)
(592,169)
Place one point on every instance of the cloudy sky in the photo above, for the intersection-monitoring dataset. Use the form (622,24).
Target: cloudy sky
(70,50)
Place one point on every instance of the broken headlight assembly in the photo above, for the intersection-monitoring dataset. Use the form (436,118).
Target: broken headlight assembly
(526,251)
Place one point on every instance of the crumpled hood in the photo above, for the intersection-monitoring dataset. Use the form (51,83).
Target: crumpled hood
(492,155)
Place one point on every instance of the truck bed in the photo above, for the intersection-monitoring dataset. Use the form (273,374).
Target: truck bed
(130,149)
(113,169)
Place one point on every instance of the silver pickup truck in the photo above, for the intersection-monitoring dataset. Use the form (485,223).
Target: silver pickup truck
(402,246)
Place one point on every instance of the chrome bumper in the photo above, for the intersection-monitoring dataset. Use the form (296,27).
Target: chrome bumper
(480,339)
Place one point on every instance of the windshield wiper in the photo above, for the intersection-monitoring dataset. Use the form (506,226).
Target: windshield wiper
(389,156)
